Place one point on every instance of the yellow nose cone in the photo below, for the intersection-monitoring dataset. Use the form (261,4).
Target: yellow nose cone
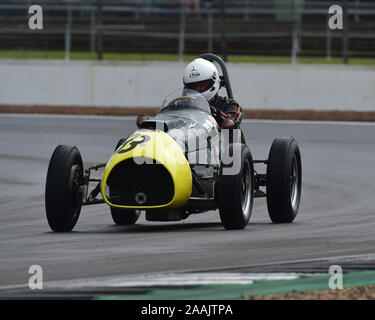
(150,148)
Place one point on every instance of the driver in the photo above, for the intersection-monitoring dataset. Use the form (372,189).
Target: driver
(201,75)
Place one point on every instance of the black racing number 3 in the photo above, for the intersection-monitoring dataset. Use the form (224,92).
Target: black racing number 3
(133,143)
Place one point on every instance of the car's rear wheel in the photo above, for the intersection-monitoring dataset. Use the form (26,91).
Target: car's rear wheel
(63,194)
(236,194)
(124,216)
(284,180)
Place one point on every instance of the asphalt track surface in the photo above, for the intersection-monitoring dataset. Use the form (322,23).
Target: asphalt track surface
(336,218)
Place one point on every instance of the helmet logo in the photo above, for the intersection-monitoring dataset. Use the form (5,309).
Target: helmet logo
(194,73)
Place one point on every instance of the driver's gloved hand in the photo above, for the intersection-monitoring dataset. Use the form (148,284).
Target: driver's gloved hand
(140,119)
(228,123)
(216,115)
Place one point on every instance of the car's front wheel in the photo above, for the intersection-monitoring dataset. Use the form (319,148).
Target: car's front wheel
(236,194)
(63,194)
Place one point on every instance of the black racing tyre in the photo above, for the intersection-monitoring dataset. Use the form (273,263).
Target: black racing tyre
(63,194)
(284,180)
(236,193)
(123,216)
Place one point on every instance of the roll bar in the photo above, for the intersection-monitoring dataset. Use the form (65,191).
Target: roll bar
(210,57)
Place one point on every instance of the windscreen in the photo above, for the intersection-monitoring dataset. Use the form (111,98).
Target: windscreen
(185,99)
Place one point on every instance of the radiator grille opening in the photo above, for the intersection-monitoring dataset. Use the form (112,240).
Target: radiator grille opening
(132,184)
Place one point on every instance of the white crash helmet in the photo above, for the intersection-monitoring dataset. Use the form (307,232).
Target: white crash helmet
(202,74)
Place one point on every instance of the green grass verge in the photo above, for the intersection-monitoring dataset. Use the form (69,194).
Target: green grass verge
(78,55)
(237,291)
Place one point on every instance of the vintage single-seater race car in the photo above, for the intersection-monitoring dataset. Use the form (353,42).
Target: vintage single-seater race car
(176,164)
